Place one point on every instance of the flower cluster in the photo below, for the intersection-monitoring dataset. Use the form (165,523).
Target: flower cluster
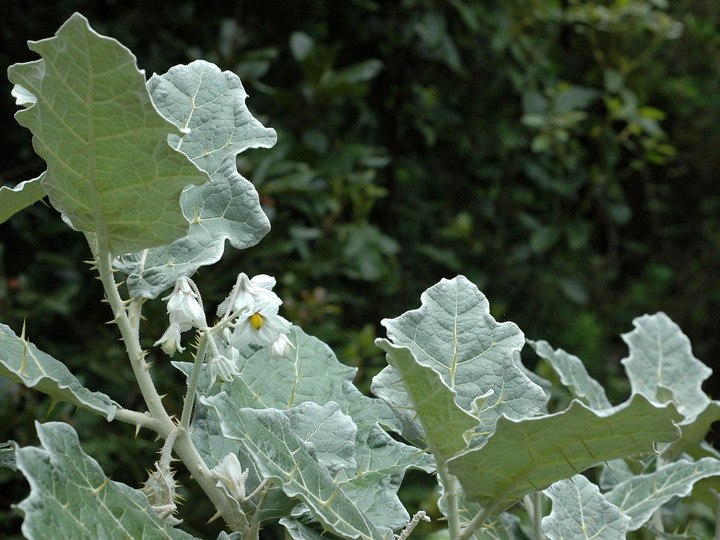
(248,316)
(253,307)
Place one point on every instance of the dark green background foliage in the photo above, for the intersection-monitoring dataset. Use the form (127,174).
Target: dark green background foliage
(561,154)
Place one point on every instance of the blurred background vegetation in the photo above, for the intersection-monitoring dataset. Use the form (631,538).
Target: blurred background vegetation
(562,154)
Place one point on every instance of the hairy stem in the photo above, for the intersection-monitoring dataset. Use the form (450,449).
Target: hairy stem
(162,422)
(450,483)
(131,339)
(141,420)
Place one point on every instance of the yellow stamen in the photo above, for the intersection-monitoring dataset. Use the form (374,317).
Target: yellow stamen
(256,321)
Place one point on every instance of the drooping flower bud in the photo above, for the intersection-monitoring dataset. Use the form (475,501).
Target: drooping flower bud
(170,340)
(230,474)
(184,305)
(223,366)
(281,347)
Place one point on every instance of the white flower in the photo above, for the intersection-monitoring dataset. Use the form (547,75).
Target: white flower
(184,306)
(170,340)
(223,366)
(260,325)
(248,292)
(281,347)
(230,474)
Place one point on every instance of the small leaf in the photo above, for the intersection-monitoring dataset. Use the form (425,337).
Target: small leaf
(580,511)
(454,334)
(661,359)
(22,362)
(573,375)
(640,496)
(12,200)
(71,496)
(110,169)
(528,455)
(208,105)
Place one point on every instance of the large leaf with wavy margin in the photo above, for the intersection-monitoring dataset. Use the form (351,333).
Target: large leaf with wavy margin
(528,455)
(209,105)
(23,362)
(579,510)
(454,333)
(110,169)
(70,496)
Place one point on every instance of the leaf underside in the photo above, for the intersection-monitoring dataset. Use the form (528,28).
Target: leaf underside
(524,456)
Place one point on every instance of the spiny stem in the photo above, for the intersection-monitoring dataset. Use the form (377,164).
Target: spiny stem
(139,420)
(131,339)
(421,515)
(184,447)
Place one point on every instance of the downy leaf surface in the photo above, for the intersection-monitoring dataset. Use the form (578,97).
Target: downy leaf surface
(579,510)
(279,453)
(110,168)
(443,422)
(454,334)
(311,375)
(662,367)
(208,105)
(23,362)
(573,375)
(661,360)
(70,495)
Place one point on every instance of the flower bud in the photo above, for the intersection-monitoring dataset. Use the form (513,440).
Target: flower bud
(170,340)
(160,489)
(230,474)
(184,306)
(281,347)
(223,366)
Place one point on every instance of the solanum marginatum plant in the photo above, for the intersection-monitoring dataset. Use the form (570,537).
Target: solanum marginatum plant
(271,427)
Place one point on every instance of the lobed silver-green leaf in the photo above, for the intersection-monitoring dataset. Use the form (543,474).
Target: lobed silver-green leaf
(208,105)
